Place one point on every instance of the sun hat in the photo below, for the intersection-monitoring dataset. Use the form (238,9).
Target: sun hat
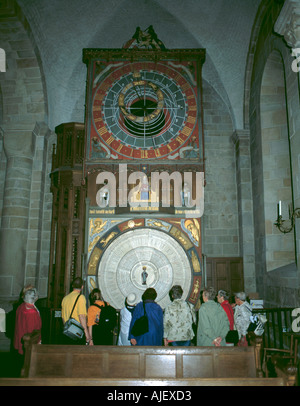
(131,299)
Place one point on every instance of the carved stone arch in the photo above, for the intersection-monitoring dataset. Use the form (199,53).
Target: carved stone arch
(264,10)
(23,84)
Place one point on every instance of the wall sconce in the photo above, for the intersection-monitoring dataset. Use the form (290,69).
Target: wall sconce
(286,226)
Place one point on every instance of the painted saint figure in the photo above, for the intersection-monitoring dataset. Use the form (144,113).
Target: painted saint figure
(104,195)
(144,190)
(186,195)
(144,276)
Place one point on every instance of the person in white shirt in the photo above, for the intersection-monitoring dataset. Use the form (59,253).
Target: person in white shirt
(125,319)
(242,314)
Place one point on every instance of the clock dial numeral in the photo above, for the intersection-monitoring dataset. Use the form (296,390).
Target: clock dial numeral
(110,140)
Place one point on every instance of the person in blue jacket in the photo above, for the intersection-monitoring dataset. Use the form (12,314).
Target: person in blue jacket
(155,316)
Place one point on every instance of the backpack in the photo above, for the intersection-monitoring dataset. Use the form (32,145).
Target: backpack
(103,330)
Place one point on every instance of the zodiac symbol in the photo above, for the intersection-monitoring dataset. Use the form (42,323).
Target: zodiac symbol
(106,240)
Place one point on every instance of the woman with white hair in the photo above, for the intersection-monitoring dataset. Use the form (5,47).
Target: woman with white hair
(27,317)
(242,314)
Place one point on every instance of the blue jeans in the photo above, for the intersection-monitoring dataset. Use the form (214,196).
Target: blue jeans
(180,343)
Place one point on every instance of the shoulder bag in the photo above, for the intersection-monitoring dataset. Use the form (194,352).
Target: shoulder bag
(194,325)
(72,328)
(141,325)
(232,337)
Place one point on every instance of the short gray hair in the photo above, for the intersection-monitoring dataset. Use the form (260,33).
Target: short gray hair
(223,293)
(176,292)
(241,296)
(209,292)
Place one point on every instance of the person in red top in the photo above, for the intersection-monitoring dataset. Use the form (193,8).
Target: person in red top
(27,317)
(223,300)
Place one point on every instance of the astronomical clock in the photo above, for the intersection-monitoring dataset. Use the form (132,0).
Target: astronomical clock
(144,113)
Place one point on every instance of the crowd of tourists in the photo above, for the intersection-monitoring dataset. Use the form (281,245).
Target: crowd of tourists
(214,321)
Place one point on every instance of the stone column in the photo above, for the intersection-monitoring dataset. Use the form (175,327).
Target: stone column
(241,140)
(19,148)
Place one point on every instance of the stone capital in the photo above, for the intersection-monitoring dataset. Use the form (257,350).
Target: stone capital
(41,129)
(240,136)
(288,23)
(18,143)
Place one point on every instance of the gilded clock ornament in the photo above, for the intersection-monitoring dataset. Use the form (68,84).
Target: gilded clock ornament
(147,106)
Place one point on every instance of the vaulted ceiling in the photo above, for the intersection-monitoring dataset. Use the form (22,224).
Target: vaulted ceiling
(61,29)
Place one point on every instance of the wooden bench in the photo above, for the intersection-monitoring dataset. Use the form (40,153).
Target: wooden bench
(191,382)
(28,341)
(120,362)
(60,365)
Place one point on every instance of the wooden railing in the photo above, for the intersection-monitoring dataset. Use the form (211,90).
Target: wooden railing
(279,322)
(279,335)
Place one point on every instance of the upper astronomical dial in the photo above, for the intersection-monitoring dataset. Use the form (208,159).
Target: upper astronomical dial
(145,106)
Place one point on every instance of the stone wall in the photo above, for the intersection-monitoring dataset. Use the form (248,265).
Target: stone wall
(279,287)
(280,250)
(220,219)
(25,159)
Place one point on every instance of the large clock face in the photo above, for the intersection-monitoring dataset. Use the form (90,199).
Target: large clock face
(144,110)
(122,264)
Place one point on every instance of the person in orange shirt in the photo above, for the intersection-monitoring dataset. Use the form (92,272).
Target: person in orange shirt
(101,333)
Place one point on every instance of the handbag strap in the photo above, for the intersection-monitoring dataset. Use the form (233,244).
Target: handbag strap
(145,314)
(74,305)
(190,309)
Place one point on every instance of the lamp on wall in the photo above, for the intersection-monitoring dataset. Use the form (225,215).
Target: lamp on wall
(286,226)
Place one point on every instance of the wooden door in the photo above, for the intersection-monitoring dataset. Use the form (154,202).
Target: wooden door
(225,273)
